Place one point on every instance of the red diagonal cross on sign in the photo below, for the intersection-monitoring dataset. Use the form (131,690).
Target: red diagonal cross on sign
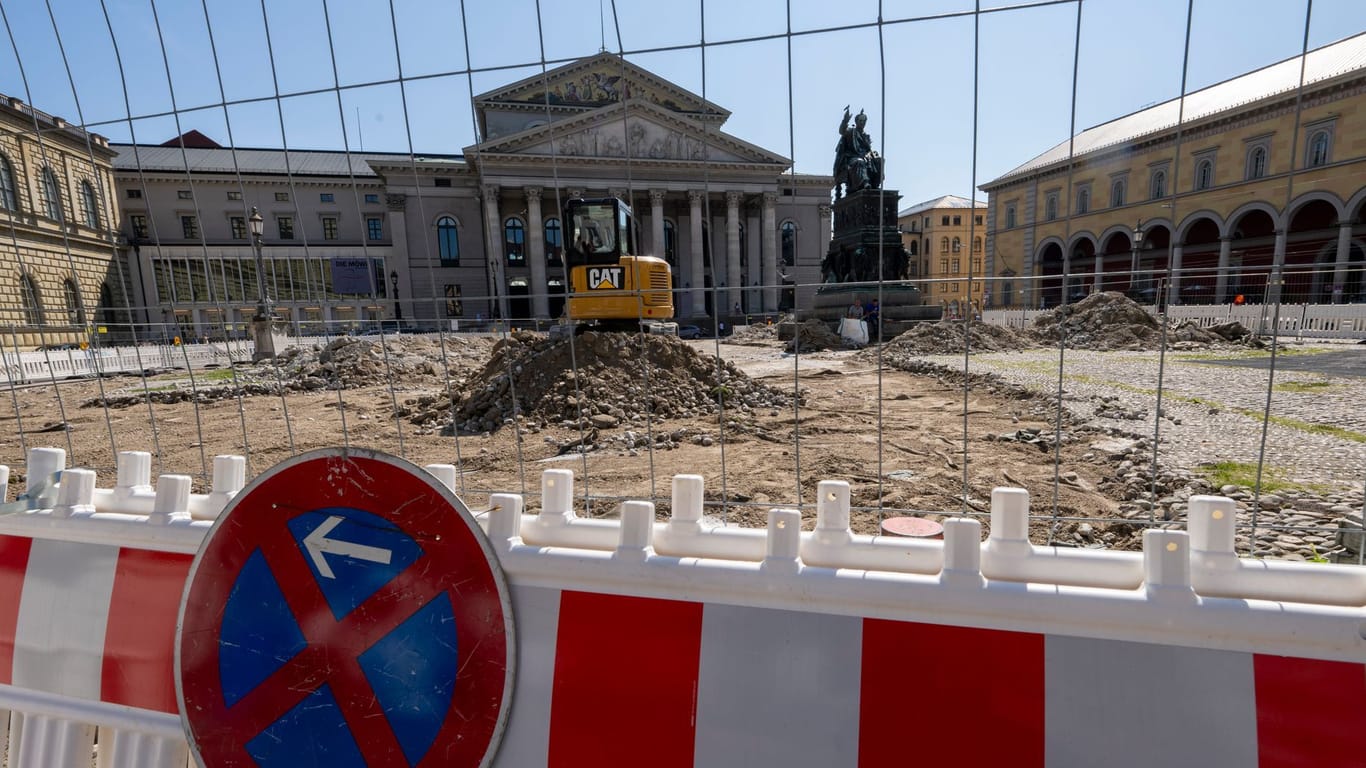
(455,560)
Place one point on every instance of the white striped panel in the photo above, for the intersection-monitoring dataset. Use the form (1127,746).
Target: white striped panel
(63,613)
(777,688)
(1135,704)
(536,620)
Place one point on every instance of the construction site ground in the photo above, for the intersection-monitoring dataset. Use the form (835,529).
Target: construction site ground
(898,437)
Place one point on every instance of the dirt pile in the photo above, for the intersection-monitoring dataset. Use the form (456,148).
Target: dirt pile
(946,337)
(753,334)
(1103,321)
(813,336)
(608,379)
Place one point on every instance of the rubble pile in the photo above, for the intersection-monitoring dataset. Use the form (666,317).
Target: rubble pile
(946,337)
(1101,321)
(814,336)
(608,379)
(753,334)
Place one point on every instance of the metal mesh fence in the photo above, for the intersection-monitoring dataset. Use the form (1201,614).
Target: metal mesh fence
(1199,340)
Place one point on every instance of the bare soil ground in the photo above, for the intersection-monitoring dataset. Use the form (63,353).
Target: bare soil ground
(751,462)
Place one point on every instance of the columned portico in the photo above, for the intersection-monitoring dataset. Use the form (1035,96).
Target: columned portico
(734,283)
(657,222)
(494,238)
(398,230)
(770,227)
(540,303)
(1174,287)
(1273,293)
(696,272)
(1221,280)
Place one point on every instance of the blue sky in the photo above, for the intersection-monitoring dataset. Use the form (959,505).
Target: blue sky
(916,81)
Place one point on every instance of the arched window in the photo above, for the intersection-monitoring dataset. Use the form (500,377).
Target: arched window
(1050,208)
(1204,174)
(1256,163)
(927,247)
(91,209)
(977,245)
(448,241)
(33,305)
(554,241)
(957,245)
(52,195)
(1318,149)
(670,243)
(1117,193)
(1157,187)
(75,310)
(915,247)
(789,230)
(8,199)
(514,241)
(1083,201)
(1010,217)
(943,245)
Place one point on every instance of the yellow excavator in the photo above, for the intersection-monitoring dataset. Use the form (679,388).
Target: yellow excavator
(611,287)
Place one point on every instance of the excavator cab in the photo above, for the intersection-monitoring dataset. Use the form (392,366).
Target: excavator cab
(600,231)
(611,286)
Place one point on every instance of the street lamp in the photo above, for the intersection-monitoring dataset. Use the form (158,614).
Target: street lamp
(260,323)
(1133,258)
(398,308)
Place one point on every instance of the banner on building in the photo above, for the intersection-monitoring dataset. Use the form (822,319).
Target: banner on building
(352,277)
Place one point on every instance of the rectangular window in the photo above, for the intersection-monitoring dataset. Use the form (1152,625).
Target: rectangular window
(329,227)
(958,221)
(189,225)
(441,182)
(944,221)
(134,194)
(139,223)
(978,219)
(286,225)
(957,266)
(375,226)
(977,266)
(326,197)
(281,197)
(454,306)
(943,266)
(234,195)
(239,228)
(372,198)
(1010,217)
(184,194)
(955,287)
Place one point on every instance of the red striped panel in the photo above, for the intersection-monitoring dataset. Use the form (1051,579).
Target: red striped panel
(13,565)
(1309,712)
(139,641)
(629,662)
(928,691)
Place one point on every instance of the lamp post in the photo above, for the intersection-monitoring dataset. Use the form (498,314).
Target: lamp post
(260,322)
(398,308)
(1137,240)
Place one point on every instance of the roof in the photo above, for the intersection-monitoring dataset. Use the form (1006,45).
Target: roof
(302,162)
(946,201)
(1320,64)
(193,138)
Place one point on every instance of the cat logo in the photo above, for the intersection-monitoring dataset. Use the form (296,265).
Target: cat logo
(604,278)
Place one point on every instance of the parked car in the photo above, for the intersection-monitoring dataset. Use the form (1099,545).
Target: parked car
(689,332)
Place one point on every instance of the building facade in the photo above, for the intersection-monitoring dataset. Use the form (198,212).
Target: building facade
(1253,187)
(945,239)
(63,280)
(451,239)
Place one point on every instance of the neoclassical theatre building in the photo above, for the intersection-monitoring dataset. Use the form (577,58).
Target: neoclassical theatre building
(1251,187)
(477,235)
(62,277)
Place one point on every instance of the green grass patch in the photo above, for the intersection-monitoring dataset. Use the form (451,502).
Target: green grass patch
(1303,386)
(221,374)
(1221,473)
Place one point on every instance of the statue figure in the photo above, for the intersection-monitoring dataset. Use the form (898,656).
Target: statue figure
(857,166)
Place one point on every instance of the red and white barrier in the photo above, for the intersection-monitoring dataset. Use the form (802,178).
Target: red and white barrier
(682,644)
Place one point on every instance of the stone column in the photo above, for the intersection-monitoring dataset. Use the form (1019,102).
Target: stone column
(535,240)
(399,260)
(493,227)
(1174,287)
(1273,289)
(657,222)
(1097,286)
(734,282)
(1344,257)
(1221,282)
(770,267)
(823,210)
(695,275)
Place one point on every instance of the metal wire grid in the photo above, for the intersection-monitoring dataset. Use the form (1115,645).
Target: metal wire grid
(601,501)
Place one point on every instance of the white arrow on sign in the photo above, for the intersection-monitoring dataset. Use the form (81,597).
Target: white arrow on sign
(317,543)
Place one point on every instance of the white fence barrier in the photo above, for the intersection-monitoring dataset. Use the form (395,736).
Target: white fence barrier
(1301,321)
(92,577)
